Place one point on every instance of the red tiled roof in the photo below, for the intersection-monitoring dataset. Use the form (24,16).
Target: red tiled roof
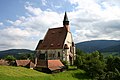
(54,39)
(39,44)
(3,62)
(27,63)
(54,64)
(22,62)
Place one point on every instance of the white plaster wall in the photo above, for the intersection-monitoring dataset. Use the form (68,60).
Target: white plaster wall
(53,51)
(69,41)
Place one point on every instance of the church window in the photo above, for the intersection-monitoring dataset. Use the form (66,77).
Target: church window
(42,56)
(70,49)
(50,55)
(53,56)
(51,45)
(58,54)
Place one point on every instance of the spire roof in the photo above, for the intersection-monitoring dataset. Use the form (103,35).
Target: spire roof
(65,17)
(65,21)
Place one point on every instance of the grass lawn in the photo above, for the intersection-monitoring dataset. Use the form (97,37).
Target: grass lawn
(21,73)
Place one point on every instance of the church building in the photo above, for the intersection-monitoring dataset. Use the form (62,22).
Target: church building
(56,46)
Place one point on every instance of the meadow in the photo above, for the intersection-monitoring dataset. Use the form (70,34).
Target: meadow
(21,73)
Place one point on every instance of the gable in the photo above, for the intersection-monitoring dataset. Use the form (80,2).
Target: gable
(55,64)
(54,39)
(22,62)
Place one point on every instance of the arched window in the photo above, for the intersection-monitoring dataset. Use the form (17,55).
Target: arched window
(58,54)
(42,56)
(70,49)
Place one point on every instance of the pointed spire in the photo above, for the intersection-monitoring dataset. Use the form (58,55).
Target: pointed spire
(65,21)
(65,17)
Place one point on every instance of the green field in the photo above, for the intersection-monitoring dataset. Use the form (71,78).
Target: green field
(21,73)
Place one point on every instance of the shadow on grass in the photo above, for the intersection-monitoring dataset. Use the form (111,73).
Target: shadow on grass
(72,68)
(81,76)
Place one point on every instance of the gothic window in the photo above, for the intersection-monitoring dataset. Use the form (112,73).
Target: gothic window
(58,54)
(70,49)
(53,55)
(50,55)
(42,56)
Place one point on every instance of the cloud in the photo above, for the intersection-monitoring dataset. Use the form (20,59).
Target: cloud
(32,10)
(58,6)
(44,2)
(95,19)
(89,20)
(1,23)
(25,32)
(17,38)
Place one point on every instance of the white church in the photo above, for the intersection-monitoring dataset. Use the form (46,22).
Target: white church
(57,45)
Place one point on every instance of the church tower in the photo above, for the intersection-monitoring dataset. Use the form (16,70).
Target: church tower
(66,22)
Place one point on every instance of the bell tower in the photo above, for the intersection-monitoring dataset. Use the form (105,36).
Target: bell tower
(66,22)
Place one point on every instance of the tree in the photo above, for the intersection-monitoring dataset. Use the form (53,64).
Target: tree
(26,56)
(10,58)
(113,68)
(112,63)
(92,63)
(79,52)
(79,58)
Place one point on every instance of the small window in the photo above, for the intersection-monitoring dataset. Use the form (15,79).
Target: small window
(53,32)
(58,44)
(70,49)
(53,55)
(42,56)
(50,55)
(51,45)
(58,54)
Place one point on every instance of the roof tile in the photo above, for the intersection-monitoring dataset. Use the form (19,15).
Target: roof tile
(55,64)
(54,39)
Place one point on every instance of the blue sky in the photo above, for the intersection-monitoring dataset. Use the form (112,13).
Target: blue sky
(24,22)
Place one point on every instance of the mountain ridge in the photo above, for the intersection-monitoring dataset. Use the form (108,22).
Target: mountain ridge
(86,46)
(100,45)
(14,52)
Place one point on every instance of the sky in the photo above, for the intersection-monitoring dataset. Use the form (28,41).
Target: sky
(24,22)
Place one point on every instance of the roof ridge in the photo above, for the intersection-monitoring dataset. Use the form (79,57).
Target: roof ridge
(56,28)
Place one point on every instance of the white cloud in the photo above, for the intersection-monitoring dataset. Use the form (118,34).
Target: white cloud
(1,23)
(91,20)
(32,10)
(95,19)
(58,6)
(25,32)
(17,38)
(44,2)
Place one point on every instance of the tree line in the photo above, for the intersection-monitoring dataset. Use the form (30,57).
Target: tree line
(98,67)
(21,56)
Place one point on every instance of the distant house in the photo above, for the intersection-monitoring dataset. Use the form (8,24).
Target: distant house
(25,63)
(4,62)
(57,45)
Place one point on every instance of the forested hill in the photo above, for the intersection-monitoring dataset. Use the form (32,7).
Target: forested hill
(101,45)
(115,48)
(14,52)
(87,46)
